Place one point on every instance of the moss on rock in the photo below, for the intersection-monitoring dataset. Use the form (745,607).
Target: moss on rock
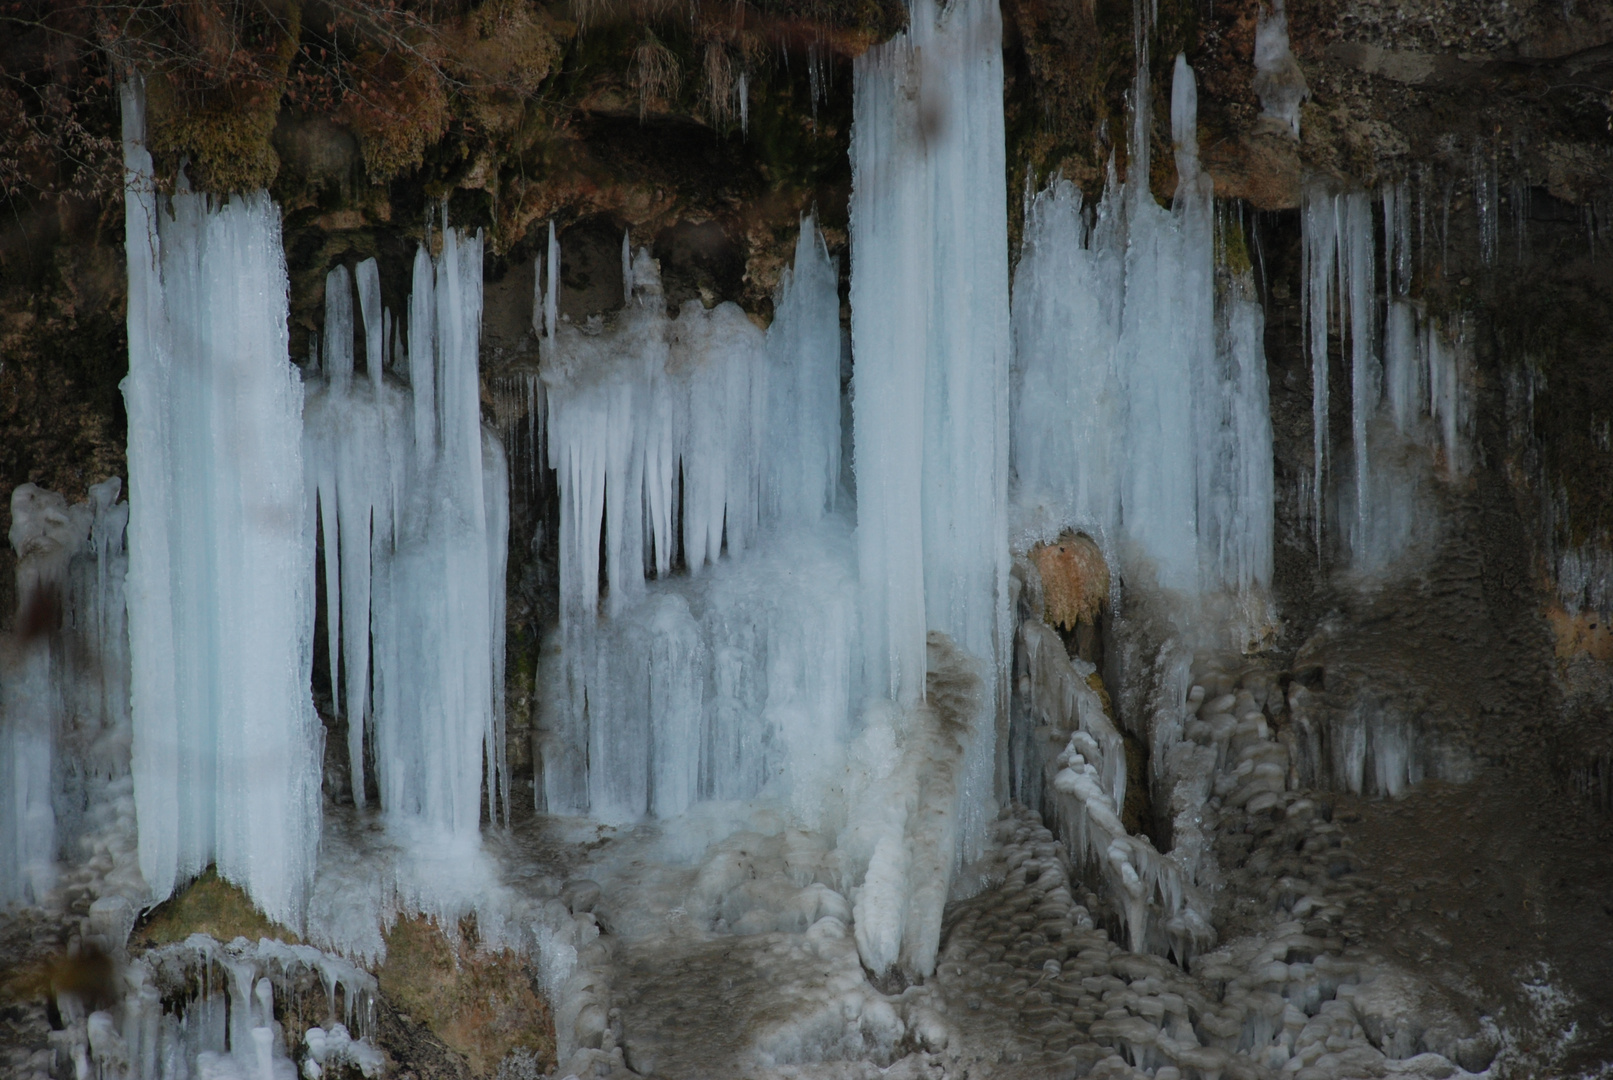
(212,906)
(482,1005)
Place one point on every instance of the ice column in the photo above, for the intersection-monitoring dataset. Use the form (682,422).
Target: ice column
(931,336)
(226,741)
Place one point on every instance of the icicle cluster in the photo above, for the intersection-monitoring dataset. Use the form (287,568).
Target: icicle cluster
(1409,407)
(199,1008)
(225,754)
(1139,387)
(675,442)
(411,492)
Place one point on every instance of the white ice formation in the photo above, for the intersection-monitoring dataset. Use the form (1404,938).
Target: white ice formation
(225,738)
(201,1008)
(742,623)
(677,441)
(1140,410)
(411,492)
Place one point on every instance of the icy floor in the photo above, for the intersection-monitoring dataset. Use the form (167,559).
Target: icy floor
(1352,943)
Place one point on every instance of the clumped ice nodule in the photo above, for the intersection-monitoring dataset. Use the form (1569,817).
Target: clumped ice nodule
(1278,83)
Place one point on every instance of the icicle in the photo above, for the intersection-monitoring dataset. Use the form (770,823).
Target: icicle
(538,294)
(368,278)
(551,297)
(627,265)
(802,448)
(338,326)
(423,358)
(1485,196)
(1320,243)
(1356,266)
(742,88)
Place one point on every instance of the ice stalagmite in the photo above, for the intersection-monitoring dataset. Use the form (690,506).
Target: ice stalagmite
(930,334)
(225,754)
(411,492)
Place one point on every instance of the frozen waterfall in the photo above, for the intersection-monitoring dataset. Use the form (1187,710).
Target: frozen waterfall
(1409,401)
(225,753)
(64,690)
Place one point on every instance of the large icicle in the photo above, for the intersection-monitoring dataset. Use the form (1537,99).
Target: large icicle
(931,338)
(226,740)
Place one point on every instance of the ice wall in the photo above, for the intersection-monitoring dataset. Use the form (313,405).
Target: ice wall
(930,333)
(1140,411)
(700,454)
(411,493)
(62,715)
(226,741)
